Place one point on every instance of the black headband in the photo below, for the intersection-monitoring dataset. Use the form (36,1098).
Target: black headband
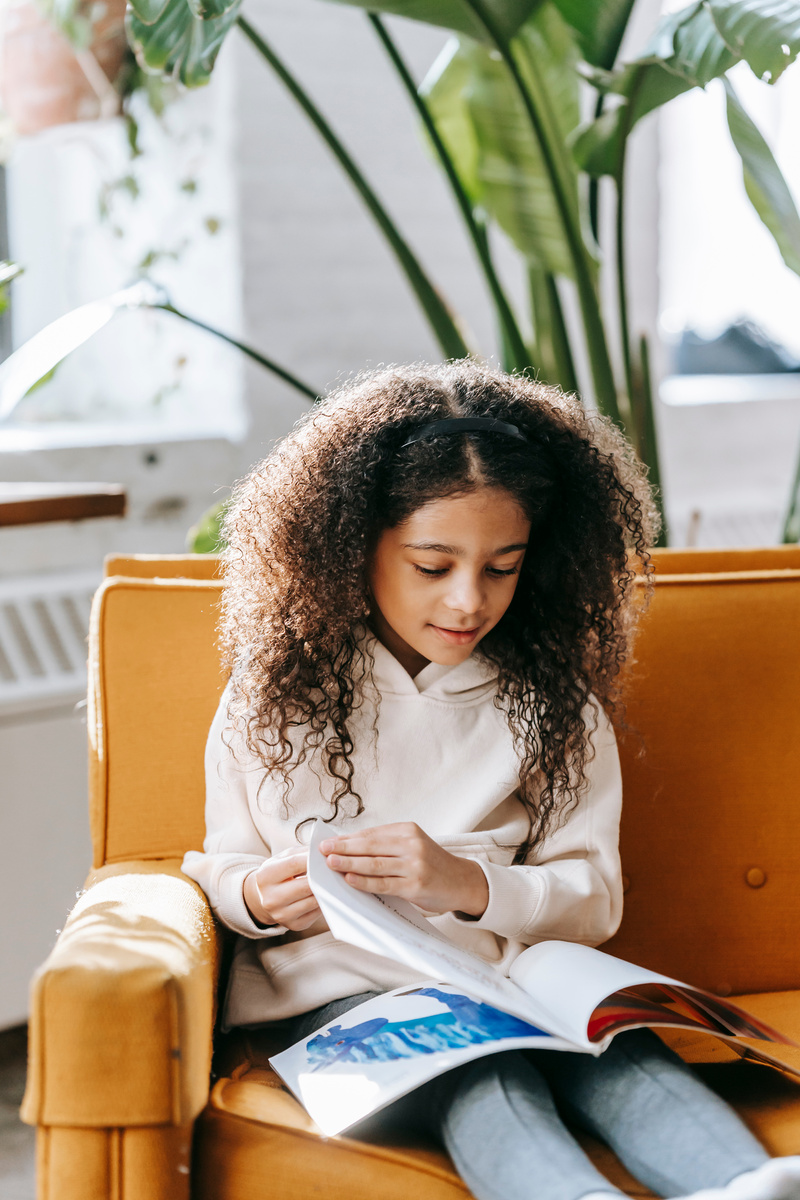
(465,425)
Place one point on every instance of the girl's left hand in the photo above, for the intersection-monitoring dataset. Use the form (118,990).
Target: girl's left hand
(401,860)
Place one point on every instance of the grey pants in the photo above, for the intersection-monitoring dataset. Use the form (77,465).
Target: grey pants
(500,1118)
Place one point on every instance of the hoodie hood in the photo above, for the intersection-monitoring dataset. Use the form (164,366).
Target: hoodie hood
(466,683)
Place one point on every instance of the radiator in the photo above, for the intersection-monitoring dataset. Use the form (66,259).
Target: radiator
(44,621)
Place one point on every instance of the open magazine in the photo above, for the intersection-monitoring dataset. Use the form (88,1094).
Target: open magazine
(559,996)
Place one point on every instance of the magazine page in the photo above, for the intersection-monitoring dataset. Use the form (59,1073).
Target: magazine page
(580,995)
(603,995)
(395,929)
(386,1047)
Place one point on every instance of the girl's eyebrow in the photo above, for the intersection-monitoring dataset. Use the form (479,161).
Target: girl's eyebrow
(454,550)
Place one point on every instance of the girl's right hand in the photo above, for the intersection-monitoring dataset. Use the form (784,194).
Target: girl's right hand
(277,893)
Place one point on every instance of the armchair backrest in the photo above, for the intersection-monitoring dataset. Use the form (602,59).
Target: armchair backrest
(710,831)
(154,685)
(711,836)
(693,561)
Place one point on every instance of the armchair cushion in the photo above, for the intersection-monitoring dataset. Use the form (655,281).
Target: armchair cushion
(122,1011)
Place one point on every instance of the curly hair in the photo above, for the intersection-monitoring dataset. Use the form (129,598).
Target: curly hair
(302,525)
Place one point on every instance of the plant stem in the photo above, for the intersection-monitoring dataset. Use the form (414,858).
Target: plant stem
(561,348)
(602,373)
(594,184)
(440,319)
(649,436)
(791,526)
(550,331)
(622,281)
(622,284)
(519,354)
(261,359)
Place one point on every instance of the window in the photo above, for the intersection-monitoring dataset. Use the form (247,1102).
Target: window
(720,268)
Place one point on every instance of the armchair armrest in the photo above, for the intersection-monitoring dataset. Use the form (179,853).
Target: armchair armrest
(122,1011)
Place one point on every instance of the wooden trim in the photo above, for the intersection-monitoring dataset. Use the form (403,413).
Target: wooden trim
(37,503)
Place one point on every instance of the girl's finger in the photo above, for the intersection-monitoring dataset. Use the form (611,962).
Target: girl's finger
(275,870)
(300,916)
(382,885)
(300,908)
(363,865)
(281,894)
(305,922)
(384,840)
(294,889)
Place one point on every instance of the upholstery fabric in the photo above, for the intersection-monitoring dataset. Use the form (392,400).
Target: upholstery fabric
(122,1010)
(698,561)
(252,1133)
(113,1164)
(710,838)
(162,566)
(155,684)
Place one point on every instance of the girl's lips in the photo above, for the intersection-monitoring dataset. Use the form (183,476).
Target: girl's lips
(456,637)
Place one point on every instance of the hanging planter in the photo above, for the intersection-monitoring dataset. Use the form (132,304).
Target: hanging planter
(49,79)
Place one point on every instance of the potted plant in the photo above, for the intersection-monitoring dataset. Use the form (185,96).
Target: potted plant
(63,64)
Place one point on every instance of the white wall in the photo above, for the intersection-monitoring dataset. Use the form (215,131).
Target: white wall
(45,852)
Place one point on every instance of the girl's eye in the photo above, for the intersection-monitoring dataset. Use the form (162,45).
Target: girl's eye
(437,571)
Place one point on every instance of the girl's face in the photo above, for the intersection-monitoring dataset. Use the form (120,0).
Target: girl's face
(441,579)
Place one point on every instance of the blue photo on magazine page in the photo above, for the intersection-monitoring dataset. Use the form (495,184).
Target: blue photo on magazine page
(385,1047)
(460,1022)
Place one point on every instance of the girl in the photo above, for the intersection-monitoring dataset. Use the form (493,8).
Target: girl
(430,591)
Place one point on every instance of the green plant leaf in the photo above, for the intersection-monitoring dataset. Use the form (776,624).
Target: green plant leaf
(685,51)
(148,11)
(481,120)
(206,536)
(178,43)
(699,54)
(445,90)
(598,147)
(454,14)
(35,360)
(181,38)
(9,271)
(209,9)
(599,25)
(764,183)
(766,33)
(41,382)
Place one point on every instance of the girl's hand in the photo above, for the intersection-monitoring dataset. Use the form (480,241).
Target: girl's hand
(277,893)
(401,860)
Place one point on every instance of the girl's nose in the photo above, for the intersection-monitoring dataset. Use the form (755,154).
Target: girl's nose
(465,594)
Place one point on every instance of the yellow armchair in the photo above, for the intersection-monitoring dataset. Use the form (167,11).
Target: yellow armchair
(122,1011)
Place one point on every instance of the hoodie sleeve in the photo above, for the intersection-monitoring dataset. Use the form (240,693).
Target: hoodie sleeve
(233,846)
(572,890)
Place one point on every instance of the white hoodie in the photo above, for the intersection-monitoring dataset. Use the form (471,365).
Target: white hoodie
(444,758)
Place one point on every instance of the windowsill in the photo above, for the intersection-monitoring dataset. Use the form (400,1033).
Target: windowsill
(21,438)
(680,391)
